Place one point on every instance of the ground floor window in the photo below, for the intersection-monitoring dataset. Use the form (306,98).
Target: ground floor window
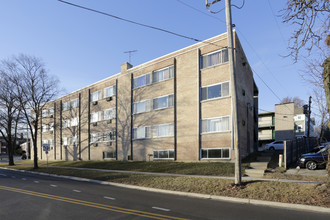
(163,154)
(109,155)
(215,153)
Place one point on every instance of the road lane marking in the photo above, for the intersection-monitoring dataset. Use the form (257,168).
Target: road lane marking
(92,204)
(162,209)
(13,177)
(23,178)
(36,181)
(107,197)
(75,190)
(53,185)
(2,174)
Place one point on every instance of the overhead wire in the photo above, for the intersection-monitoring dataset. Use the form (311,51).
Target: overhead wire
(140,24)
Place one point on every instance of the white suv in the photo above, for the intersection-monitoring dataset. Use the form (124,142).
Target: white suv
(276,145)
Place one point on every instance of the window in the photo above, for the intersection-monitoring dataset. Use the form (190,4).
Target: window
(109,136)
(109,91)
(44,128)
(220,124)
(51,126)
(70,104)
(215,58)
(215,153)
(141,81)
(74,121)
(215,91)
(65,123)
(74,103)
(109,114)
(163,102)
(164,130)
(163,154)
(96,116)
(95,96)
(142,106)
(65,141)
(95,138)
(44,113)
(73,140)
(141,132)
(163,74)
(109,155)
(45,142)
(51,111)
(51,143)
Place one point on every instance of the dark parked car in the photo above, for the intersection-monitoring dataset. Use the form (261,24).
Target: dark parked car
(314,160)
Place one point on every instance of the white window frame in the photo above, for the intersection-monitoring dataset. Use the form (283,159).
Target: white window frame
(51,126)
(221,87)
(162,72)
(111,134)
(113,88)
(168,153)
(222,58)
(221,158)
(44,113)
(207,119)
(98,117)
(65,141)
(111,115)
(110,152)
(167,105)
(95,96)
(74,103)
(146,135)
(65,123)
(146,106)
(74,121)
(146,83)
(51,111)
(44,128)
(95,138)
(170,130)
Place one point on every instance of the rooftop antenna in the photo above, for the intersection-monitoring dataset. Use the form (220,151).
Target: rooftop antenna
(130,54)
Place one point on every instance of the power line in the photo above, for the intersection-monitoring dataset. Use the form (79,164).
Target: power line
(196,9)
(140,24)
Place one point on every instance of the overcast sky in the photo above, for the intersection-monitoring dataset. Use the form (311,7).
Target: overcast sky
(81,47)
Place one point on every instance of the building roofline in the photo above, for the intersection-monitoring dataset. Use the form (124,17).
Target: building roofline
(207,41)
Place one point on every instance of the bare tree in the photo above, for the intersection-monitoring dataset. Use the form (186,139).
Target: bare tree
(311,19)
(35,88)
(10,111)
(298,103)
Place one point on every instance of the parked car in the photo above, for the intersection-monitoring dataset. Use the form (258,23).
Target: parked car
(314,160)
(276,145)
(320,147)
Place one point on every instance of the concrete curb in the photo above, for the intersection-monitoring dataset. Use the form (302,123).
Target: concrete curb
(193,195)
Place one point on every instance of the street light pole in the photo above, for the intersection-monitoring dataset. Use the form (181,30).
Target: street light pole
(235,136)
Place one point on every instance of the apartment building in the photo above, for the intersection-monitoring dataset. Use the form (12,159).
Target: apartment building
(176,107)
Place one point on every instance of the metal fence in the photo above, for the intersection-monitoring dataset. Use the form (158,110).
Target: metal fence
(294,148)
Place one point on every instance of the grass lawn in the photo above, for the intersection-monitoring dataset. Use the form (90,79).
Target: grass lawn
(298,193)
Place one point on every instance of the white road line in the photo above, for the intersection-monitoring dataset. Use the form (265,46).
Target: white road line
(75,190)
(36,181)
(162,209)
(53,185)
(23,178)
(2,174)
(107,197)
(13,177)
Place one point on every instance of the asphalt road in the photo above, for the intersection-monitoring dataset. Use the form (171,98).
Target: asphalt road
(30,196)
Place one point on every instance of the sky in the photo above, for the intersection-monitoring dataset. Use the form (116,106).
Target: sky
(82,47)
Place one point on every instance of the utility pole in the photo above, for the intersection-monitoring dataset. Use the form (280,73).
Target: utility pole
(238,172)
(233,83)
(309,116)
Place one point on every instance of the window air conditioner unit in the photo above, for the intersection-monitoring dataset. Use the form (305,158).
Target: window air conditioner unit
(109,99)
(51,116)
(95,103)
(109,143)
(95,144)
(51,132)
(94,123)
(109,121)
